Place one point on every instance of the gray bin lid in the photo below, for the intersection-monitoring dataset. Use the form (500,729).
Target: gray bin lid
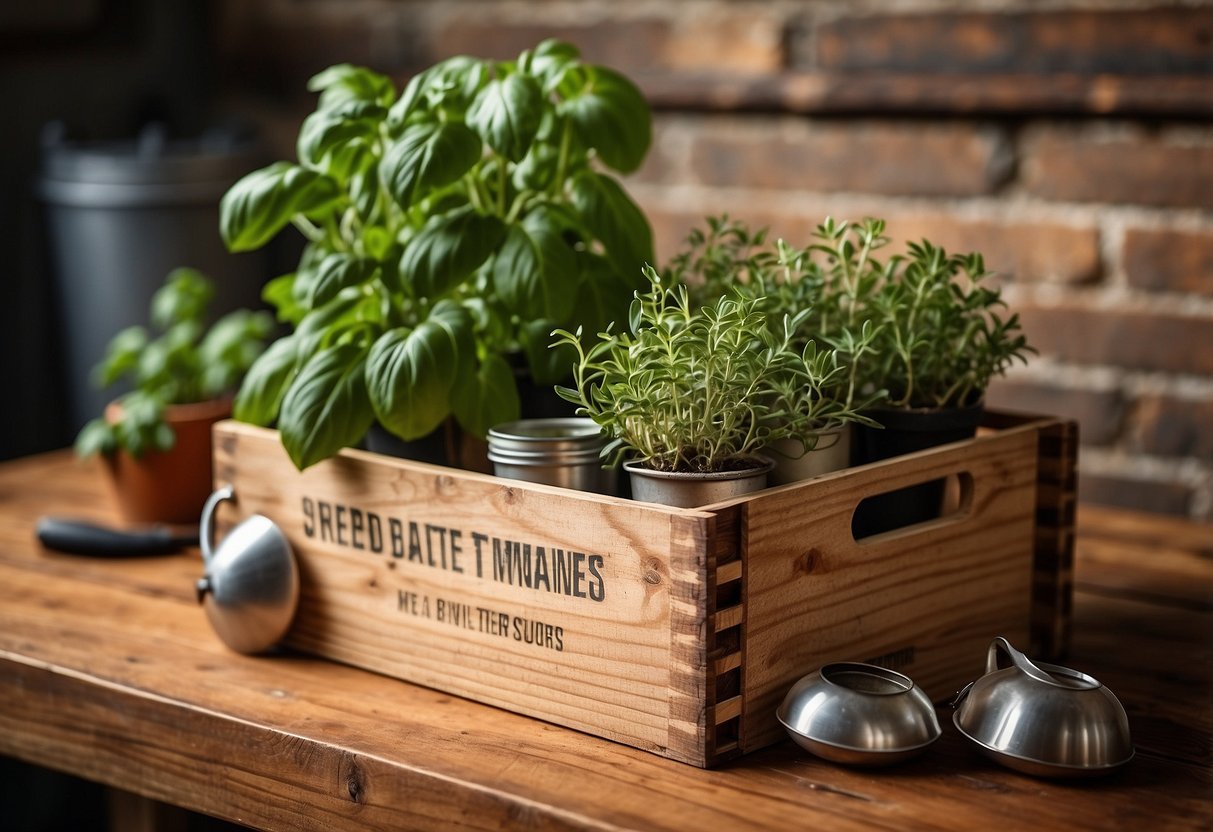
(152,170)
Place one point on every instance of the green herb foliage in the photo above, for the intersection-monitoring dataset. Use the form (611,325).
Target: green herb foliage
(185,363)
(696,389)
(823,296)
(448,227)
(916,330)
(942,338)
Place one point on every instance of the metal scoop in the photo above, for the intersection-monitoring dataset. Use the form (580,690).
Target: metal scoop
(251,585)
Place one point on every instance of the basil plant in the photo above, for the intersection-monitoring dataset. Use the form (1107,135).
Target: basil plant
(449,229)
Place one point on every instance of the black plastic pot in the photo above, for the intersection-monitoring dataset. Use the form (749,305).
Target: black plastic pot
(449,445)
(452,446)
(906,431)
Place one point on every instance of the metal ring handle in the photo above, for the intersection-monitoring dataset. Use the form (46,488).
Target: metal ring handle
(206,526)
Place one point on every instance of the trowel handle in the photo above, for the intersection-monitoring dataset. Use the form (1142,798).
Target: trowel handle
(206,526)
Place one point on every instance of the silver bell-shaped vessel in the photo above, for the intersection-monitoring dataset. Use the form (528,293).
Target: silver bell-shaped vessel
(251,585)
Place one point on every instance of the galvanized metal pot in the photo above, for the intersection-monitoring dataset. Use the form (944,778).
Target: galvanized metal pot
(688,490)
(566,452)
(793,464)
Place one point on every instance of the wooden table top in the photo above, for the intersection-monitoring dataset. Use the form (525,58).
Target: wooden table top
(109,671)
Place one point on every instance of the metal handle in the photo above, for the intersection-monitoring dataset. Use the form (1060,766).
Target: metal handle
(1000,647)
(206,527)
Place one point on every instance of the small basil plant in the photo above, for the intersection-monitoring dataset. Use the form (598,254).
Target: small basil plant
(449,229)
(694,389)
(185,363)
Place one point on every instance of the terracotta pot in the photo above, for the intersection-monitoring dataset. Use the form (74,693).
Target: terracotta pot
(169,486)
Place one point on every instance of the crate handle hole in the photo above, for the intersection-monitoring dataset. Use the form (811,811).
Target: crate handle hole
(913,508)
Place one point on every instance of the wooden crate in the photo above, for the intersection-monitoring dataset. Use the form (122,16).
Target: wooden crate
(673,630)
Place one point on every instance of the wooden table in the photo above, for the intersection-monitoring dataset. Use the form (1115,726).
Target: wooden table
(109,671)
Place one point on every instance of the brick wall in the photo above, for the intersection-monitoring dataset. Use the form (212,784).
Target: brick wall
(1071,142)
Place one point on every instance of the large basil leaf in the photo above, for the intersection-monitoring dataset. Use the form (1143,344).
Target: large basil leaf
(326,406)
(259,205)
(266,382)
(610,215)
(549,61)
(603,297)
(452,83)
(448,249)
(345,82)
(534,273)
(329,131)
(507,113)
(322,327)
(609,113)
(320,284)
(364,187)
(487,398)
(280,294)
(604,294)
(428,155)
(410,373)
(537,170)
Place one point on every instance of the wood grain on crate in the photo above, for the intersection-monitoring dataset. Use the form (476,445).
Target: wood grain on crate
(618,651)
(1056,500)
(924,600)
(704,617)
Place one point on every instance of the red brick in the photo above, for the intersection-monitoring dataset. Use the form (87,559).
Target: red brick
(903,158)
(1173,426)
(670,228)
(717,39)
(1145,170)
(1137,340)
(1135,494)
(626,45)
(1026,252)
(1029,252)
(1137,42)
(275,55)
(1099,413)
(1171,261)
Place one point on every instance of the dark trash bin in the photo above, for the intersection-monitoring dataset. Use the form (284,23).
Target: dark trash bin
(121,215)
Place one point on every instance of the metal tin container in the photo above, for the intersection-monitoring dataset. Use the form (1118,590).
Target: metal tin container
(565,452)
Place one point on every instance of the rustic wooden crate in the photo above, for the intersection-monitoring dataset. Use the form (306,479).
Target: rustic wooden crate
(673,630)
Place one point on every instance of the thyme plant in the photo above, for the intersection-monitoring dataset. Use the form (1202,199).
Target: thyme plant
(825,298)
(914,330)
(941,337)
(694,389)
